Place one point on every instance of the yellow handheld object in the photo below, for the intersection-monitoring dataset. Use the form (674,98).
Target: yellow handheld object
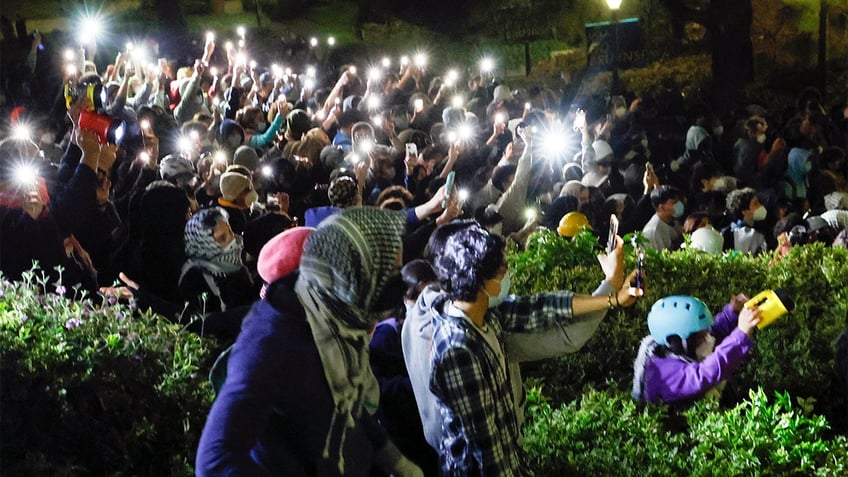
(772,303)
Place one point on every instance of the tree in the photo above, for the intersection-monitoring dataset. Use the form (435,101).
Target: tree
(728,23)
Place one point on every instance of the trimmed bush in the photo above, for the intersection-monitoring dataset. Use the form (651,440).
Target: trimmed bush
(606,433)
(94,387)
(794,354)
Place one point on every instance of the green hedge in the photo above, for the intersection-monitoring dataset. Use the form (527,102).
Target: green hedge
(794,355)
(93,387)
(606,433)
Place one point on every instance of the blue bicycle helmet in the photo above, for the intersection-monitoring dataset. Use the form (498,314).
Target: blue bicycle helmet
(679,315)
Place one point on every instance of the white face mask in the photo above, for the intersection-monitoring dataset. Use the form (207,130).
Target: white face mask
(760,213)
(761,138)
(705,348)
(494,301)
(645,143)
(620,112)
(718,131)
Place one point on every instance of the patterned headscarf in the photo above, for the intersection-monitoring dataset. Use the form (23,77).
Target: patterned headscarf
(345,264)
(204,252)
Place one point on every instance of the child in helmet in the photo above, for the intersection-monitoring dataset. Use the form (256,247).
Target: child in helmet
(676,363)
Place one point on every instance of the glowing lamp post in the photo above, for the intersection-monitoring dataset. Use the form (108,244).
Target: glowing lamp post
(614,6)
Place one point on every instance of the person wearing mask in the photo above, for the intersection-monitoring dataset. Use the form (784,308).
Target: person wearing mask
(237,195)
(747,150)
(744,209)
(214,265)
(479,331)
(688,354)
(661,230)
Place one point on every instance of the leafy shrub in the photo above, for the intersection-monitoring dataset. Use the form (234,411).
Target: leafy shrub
(606,433)
(794,354)
(95,387)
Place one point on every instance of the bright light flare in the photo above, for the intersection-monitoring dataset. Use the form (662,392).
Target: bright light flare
(91,27)
(374,102)
(26,175)
(375,74)
(242,31)
(554,144)
(22,132)
(331,41)
(366,145)
(144,157)
(309,83)
(530,213)
(310,71)
(463,195)
(386,62)
(213,71)
(252,64)
(145,124)
(268,171)
(487,65)
(185,144)
(404,60)
(465,132)
(210,37)
(500,118)
(420,60)
(69,55)
(352,70)
(313,42)
(377,121)
(457,101)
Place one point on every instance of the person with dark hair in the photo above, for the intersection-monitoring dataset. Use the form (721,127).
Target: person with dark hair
(480,333)
(299,394)
(398,412)
(744,209)
(668,206)
(748,149)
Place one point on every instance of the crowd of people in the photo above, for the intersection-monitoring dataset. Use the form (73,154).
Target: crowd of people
(378,196)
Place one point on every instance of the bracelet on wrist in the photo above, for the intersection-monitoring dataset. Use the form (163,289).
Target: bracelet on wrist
(617,303)
(609,301)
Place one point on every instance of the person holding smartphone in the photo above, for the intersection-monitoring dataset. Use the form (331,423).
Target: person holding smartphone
(471,406)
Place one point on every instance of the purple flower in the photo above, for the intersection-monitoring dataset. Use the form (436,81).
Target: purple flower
(112,300)
(60,290)
(119,315)
(72,323)
(24,318)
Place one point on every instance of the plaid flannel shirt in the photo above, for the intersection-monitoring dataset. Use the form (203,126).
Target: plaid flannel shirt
(480,434)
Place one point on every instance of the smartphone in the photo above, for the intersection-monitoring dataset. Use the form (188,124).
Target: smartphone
(411,149)
(448,188)
(640,264)
(613,231)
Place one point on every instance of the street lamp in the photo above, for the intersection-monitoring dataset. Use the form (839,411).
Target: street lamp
(614,5)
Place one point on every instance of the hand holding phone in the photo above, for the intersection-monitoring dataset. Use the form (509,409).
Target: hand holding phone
(613,231)
(411,149)
(449,183)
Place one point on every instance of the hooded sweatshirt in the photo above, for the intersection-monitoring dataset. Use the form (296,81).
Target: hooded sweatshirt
(417,338)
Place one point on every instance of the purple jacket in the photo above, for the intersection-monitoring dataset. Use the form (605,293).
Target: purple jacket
(672,380)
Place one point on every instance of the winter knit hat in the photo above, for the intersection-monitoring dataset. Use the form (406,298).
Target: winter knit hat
(173,166)
(342,191)
(502,93)
(297,124)
(281,255)
(246,156)
(233,184)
